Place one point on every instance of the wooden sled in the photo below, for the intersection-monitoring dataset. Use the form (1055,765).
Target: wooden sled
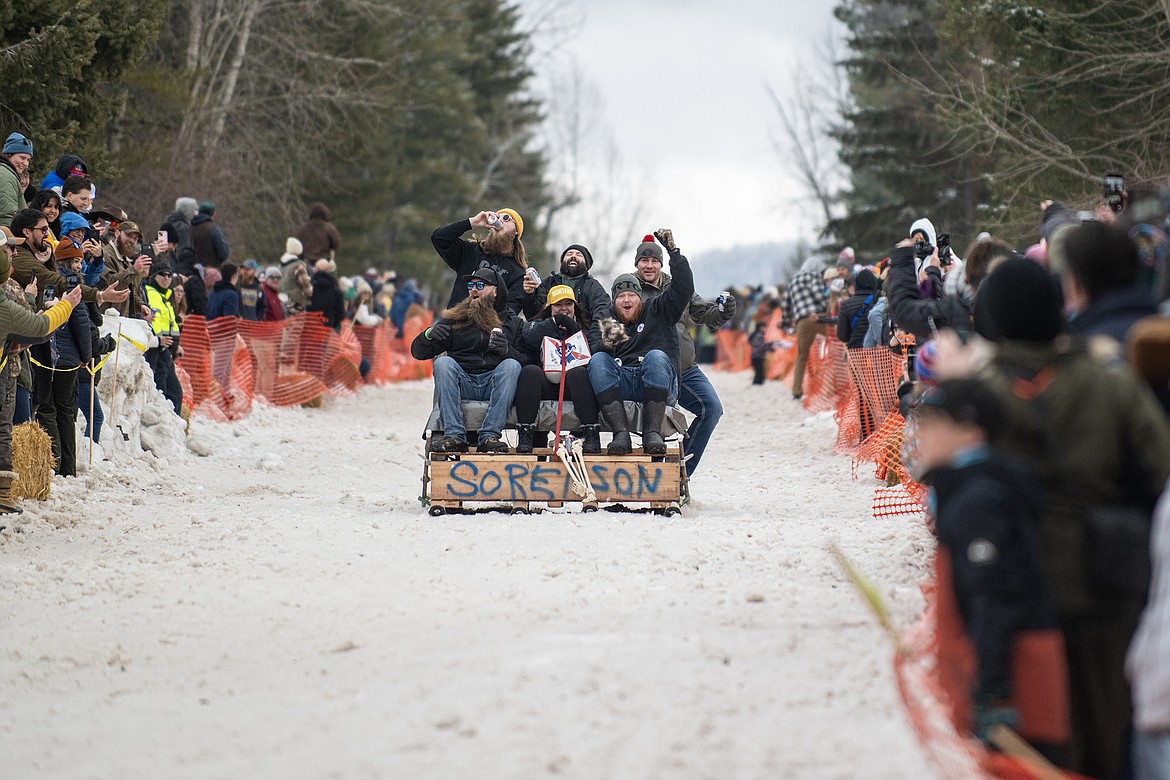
(471,481)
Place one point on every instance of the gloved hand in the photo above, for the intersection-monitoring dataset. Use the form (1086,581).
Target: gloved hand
(613,333)
(498,342)
(566,325)
(986,716)
(440,331)
(726,303)
(666,238)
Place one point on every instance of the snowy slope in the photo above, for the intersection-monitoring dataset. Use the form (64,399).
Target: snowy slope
(285,608)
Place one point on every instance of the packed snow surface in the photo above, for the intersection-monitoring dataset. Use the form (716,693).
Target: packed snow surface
(271,601)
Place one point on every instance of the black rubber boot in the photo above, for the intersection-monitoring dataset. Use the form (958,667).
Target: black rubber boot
(591,439)
(653,413)
(524,437)
(614,413)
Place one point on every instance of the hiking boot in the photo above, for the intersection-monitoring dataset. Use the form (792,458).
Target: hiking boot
(614,413)
(591,439)
(492,443)
(653,412)
(7,502)
(524,441)
(452,444)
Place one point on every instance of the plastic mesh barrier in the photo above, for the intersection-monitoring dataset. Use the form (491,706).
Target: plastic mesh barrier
(732,352)
(227,363)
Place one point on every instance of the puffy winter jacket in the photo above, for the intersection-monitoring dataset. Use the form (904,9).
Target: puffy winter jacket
(74,345)
(657,328)
(914,314)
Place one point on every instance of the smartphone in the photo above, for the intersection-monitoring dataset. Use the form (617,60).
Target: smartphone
(1114,187)
(162,236)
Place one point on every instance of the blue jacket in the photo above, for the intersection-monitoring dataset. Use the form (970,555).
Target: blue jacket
(73,340)
(224,301)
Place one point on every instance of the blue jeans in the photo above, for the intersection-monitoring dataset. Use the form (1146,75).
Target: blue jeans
(83,403)
(1151,756)
(655,370)
(23,411)
(699,398)
(453,385)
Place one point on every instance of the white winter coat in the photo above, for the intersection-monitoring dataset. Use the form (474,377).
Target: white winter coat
(1148,663)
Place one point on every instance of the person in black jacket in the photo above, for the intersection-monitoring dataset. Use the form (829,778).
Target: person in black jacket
(576,261)
(502,251)
(853,316)
(914,314)
(640,361)
(986,509)
(480,336)
(71,349)
(327,297)
(562,318)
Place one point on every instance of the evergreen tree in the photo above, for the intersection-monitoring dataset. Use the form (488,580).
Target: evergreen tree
(904,163)
(62,63)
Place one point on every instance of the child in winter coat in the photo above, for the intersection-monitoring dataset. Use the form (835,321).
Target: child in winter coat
(760,349)
(72,349)
(994,602)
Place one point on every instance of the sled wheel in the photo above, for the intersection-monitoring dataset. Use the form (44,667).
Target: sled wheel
(589,508)
(437,511)
(669,511)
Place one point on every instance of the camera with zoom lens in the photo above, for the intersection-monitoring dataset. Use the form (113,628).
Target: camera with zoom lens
(923,249)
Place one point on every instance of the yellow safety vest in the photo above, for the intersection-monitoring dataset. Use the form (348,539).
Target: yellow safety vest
(159,302)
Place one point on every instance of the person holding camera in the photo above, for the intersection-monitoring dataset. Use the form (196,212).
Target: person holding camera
(127,263)
(72,350)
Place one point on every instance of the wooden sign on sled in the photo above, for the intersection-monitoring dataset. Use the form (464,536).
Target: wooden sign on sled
(454,482)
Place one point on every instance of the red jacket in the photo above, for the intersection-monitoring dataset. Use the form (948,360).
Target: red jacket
(274,311)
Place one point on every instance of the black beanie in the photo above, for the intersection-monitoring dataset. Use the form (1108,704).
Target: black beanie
(582,250)
(865,281)
(1019,301)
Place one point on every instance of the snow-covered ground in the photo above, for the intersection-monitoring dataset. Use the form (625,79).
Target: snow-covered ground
(285,608)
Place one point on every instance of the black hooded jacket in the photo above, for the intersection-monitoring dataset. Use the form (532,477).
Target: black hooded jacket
(467,257)
(468,345)
(914,314)
(655,329)
(327,299)
(852,317)
(986,514)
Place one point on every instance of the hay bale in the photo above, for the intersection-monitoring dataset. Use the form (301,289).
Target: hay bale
(32,460)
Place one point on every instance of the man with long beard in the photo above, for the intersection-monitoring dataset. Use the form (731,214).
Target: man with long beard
(574,274)
(501,250)
(479,335)
(696,394)
(641,357)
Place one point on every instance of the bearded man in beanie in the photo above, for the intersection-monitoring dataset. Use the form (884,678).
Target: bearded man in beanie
(481,338)
(576,261)
(695,393)
(1096,438)
(502,251)
(640,361)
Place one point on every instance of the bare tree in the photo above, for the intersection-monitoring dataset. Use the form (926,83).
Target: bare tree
(598,201)
(808,113)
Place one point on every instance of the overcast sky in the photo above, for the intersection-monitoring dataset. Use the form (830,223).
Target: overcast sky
(684,85)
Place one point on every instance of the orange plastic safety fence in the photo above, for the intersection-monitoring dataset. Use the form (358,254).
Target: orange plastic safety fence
(826,375)
(229,362)
(732,352)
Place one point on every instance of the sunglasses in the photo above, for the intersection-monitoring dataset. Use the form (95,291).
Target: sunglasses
(505,217)
(477,285)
